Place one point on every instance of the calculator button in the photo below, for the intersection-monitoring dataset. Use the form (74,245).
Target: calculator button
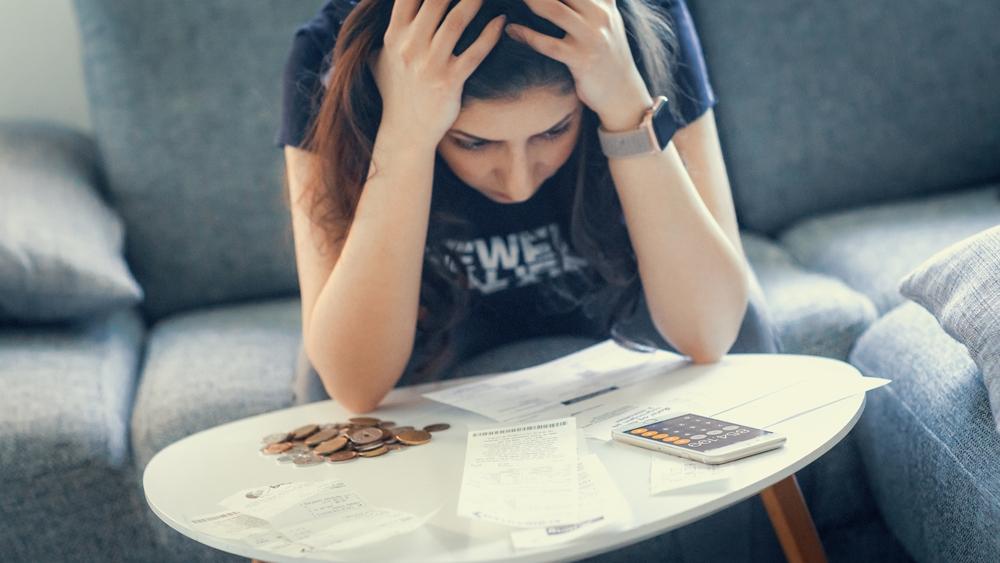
(660,436)
(650,433)
(730,427)
(670,438)
(682,441)
(714,432)
(699,437)
(638,431)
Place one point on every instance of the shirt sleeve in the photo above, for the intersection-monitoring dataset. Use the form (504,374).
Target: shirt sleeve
(307,69)
(695,95)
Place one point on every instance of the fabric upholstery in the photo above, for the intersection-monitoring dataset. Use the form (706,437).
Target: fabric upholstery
(927,439)
(67,397)
(960,286)
(183,97)
(60,243)
(872,248)
(814,314)
(832,105)
(206,368)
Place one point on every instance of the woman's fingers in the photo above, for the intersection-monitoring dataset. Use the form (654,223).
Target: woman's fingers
(403,12)
(469,60)
(426,22)
(451,29)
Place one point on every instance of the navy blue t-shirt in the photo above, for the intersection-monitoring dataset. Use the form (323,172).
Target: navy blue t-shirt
(513,252)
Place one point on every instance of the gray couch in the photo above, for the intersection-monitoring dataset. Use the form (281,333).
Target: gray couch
(860,138)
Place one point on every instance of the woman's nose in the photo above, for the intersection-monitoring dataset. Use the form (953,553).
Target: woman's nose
(520,184)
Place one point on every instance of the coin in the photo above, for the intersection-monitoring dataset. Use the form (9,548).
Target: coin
(365,420)
(285,458)
(330,446)
(279,448)
(343,455)
(397,429)
(366,435)
(374,453)
(394,447)
(320,437)
(275,438)
(301,432)
(386,424)
(303,460)
(437,427)
(414,437)
(369,447)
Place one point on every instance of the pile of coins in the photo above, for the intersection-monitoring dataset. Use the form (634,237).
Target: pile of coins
(338,442)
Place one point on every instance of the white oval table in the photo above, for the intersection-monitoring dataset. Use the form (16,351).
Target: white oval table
(188,477)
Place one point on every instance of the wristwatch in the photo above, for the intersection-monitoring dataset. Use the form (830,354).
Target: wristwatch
(650,137)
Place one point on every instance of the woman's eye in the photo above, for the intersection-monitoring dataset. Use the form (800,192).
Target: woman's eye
(477,145)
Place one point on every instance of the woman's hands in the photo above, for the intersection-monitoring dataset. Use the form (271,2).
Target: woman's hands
(596,51)
(419,79)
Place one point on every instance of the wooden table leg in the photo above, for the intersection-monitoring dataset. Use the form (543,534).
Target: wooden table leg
(792,522)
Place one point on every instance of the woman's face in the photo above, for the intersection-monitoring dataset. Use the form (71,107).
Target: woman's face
(507,149)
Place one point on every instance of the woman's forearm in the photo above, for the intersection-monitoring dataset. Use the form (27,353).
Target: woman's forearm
(695,279)
(364,320)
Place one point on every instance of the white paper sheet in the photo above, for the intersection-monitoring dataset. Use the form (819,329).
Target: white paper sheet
(523,475)
(806,396)
(303,517)
(555,389)
(601,504)
(671,473)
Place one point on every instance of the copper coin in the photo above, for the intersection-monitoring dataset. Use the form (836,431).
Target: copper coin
(437,427)
(365,420)
(279,448)
(394,447)
(343,455)
(386,424)
(275,438)
(330,446)
(320,437)
(397,429)
(366,435)
(302,432)
(374,453)
(369,447)
(414,437)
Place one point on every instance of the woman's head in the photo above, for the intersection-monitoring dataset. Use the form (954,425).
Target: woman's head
(516,100)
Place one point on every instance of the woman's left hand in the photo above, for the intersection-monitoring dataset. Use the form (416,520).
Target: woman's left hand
(595,49)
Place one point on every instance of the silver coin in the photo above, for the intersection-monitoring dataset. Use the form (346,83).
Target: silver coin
(286,458)
(369,447)
(274,438)
(305,460)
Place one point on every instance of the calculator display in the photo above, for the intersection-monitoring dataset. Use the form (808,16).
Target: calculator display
(695,432)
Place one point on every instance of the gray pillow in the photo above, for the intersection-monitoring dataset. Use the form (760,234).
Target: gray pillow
(960,286)
(60,244)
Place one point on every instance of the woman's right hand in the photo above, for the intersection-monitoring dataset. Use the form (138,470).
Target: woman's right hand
(419,79)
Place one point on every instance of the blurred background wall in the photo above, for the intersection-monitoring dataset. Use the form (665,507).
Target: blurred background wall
(40,72)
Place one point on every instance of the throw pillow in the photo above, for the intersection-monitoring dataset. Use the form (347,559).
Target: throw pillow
(60,244)
(960,286)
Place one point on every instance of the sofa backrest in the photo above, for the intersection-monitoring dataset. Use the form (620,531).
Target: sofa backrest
(184,99)
(830,105)
(822,105)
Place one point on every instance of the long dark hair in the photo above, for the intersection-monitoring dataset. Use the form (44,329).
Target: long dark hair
(343,134)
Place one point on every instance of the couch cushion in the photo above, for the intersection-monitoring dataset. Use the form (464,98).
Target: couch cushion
(872,248)
(184,98)
(827,105)
(815,314)
(67,393)
(60,244)
(67,396)
(927,440)
(213,366)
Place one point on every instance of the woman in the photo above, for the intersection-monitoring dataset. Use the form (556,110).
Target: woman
(450,190)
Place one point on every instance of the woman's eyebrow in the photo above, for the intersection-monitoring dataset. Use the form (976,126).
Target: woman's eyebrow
(560,122)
